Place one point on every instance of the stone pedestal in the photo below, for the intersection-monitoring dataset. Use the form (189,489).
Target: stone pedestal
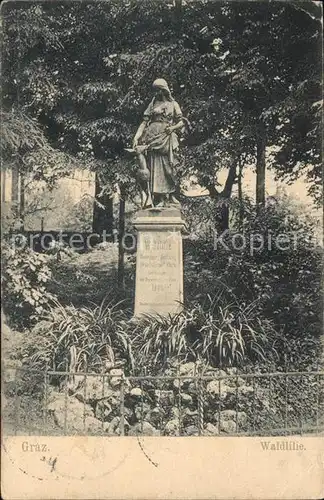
(159,261)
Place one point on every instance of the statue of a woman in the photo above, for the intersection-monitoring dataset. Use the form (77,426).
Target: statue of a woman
(156,142)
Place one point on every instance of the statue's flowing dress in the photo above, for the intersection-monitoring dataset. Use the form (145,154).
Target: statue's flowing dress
(160,155)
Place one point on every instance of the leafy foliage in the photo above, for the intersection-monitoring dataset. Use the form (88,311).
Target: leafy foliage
(79,216)
(286,273)
(24,144)
(273,260)
(25,278)
(235,68)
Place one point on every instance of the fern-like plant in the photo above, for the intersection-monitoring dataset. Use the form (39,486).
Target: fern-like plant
(217,333)
(94,334)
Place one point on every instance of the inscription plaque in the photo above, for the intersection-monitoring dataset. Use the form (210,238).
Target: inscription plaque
(159,265)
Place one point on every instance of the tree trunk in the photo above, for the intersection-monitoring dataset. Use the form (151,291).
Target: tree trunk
(178,6)
(3,184)
(103,218)
(178,15)
(15,191)
(222,217)
(260,167)
(240,195)
(22,201)
(121,232)
(231,177)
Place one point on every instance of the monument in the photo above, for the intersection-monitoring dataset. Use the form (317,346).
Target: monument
(159,259)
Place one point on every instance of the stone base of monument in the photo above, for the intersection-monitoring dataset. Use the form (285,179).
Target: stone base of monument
(159,261)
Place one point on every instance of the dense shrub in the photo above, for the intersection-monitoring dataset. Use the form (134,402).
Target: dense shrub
(25,279)
(285,282)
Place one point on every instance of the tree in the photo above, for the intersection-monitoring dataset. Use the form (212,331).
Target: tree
(25,149)
(235,68)
(102,210)
(277,81)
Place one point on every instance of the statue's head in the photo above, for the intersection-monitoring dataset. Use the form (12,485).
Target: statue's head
(161,87)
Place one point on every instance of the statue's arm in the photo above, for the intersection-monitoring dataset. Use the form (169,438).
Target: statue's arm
(178,125)
(177,119)
(139,133)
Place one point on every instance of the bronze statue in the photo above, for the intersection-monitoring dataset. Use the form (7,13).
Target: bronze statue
(155,144)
